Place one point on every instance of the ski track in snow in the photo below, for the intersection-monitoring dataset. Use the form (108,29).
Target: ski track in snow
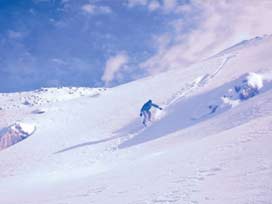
(181,94)
(197,83)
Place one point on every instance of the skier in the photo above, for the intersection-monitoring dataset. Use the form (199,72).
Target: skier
(145,110)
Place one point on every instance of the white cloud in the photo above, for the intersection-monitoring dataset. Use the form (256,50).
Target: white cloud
(151,5)
(185,8)
(93,9)
(89,8)
(213,26)
(113,65)
(58,61)
(169,5)
(132,3)
(166,6)
(154,5)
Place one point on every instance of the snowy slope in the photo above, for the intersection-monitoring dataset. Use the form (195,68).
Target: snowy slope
(25,102)
(95,150)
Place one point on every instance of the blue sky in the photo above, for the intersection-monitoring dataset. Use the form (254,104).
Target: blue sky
(109,42)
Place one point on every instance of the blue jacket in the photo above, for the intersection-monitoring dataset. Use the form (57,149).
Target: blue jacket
(147,106)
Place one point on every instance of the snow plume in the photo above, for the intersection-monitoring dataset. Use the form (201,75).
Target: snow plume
(203,28)
(113,65)
(255,80)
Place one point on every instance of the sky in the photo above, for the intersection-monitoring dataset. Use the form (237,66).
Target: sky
(95,43)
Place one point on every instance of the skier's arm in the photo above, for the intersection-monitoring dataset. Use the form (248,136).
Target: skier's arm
(156,106)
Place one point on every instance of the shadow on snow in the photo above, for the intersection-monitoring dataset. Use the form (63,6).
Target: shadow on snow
(183,114)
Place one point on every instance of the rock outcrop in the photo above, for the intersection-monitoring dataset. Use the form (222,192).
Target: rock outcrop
(15,133)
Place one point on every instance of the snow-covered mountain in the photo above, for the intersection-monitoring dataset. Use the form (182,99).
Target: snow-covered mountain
(209,144)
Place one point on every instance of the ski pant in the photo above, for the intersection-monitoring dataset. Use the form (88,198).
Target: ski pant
(147,116)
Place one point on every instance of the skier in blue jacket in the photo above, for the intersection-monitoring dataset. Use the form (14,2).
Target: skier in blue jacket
(145,110)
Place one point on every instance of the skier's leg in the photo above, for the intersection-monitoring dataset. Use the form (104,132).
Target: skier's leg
(145,117)
(149,115)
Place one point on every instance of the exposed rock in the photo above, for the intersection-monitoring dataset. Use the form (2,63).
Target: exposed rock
(15,133)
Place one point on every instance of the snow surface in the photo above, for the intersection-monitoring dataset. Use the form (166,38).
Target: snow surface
(199,149)
(24,127)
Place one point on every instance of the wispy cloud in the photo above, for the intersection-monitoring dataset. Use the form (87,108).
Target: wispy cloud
(58,61)
(154,5)
(133,3)
(93,9)
(166,6)
(15,35)
(68,42)
(114,65)
(205,28)
(169,5)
